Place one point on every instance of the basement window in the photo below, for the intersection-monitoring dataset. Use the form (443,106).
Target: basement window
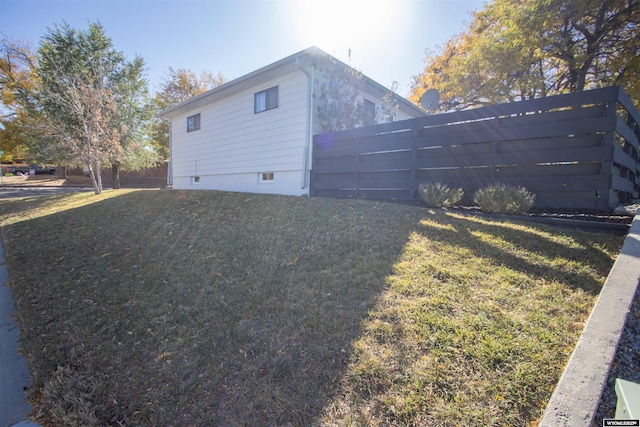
(195,180)
(266,177)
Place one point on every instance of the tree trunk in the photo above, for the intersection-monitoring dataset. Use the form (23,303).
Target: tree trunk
(99,176)
(97,188)
(61,171)
(115,174)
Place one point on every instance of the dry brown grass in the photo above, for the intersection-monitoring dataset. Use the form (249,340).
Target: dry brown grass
(210,308)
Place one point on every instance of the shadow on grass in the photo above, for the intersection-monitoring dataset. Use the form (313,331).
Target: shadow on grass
(531,249)
(206,308)
(211,308)
(25,205)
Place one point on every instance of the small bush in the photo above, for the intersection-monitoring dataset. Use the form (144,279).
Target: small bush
(437,195)
(506,199)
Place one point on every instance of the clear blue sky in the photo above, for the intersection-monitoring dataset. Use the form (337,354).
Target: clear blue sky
(387,38)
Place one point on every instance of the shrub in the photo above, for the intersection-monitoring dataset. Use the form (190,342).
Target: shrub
(438,195)
(506,199)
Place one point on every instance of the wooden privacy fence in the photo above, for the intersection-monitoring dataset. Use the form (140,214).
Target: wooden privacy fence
(149,177)
(154,177)
(573,151)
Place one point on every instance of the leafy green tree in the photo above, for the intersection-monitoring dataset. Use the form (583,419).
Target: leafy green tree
(45,96)
(338,105)
(523,49)
(135,115)
(390,107)
(178,86)
(340,102)
(89,95)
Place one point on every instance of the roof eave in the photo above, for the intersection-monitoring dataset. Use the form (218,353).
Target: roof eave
(243,82)
(238,83)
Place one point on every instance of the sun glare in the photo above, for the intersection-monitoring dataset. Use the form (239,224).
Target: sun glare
(338,26)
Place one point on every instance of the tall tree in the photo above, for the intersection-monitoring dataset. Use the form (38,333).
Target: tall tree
(18,82)
(85,95)
(134,118)
(178,86)
(522,49)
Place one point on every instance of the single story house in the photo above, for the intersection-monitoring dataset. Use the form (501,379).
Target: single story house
(255,133)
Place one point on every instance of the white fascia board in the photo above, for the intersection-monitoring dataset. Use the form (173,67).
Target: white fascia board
(270,72)
(252,79)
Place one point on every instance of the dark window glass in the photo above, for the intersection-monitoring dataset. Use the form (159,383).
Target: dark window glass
(193,122)
(370,112)
(266,100)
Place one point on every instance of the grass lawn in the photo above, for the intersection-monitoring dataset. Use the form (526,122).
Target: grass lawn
(209,308)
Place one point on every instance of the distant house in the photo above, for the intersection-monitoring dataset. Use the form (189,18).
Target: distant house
(254,134)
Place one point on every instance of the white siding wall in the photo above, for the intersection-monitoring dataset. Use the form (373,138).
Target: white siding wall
(234,145)
(401,115)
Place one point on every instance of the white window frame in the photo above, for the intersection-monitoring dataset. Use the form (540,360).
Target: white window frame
(266,100)
(195,180)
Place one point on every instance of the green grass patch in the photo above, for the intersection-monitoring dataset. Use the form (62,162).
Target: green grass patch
(211,308)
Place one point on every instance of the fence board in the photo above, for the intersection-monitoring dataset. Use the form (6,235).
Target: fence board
(339,165)
(576,141)
(626,132)
(439,160)
(574,113)
(383,162)
(334,192)
(385,194)
(588,200)
(576,169)
(622,158)
(563,184)
(621,184)
(470,133)
(478,178)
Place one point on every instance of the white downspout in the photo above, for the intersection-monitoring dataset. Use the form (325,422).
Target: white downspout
(309,145)
(170,166)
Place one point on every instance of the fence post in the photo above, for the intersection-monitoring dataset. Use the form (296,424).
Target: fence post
(359,152)
(414,174)
(494,151)
(609,139)
(413,192)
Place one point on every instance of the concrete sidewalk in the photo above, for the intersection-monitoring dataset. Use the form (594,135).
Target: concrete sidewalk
(14,373)
(577,395)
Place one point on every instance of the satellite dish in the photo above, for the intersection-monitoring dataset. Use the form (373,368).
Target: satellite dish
(430,99)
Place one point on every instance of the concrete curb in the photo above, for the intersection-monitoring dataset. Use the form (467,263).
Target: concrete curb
(44,186)
(14,373)
(577,395)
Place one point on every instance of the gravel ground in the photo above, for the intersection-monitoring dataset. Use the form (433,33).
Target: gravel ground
(626,364)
